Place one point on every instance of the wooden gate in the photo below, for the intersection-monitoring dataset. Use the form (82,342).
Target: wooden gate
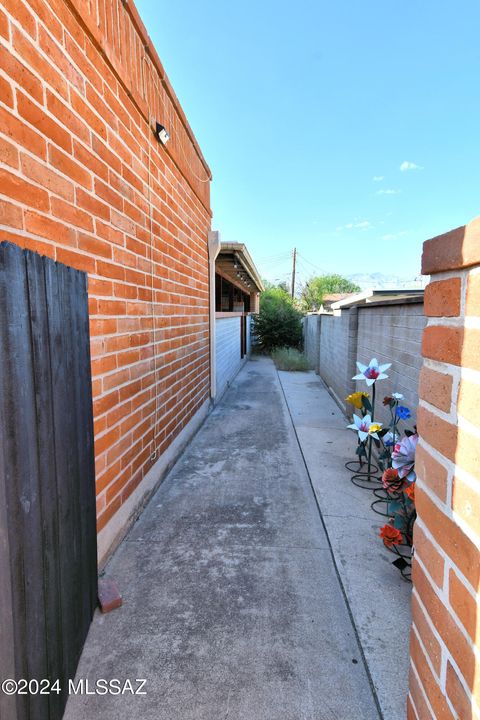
(48,562)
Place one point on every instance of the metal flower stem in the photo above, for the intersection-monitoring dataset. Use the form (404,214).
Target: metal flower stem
(370,439)
(395,423)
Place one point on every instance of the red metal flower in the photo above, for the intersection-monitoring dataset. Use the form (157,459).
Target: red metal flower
(391,481)
(391,536)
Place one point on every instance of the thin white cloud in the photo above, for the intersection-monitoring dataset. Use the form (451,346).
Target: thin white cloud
(393,236)
(407,165)
(378,178)
(389,191)
(361,225)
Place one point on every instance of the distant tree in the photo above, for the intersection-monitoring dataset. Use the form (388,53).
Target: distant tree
(283,286)
(279,323)
(316,288)
(275,295)
(272,286)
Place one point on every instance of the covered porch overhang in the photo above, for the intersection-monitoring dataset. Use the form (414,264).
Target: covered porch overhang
(237,282)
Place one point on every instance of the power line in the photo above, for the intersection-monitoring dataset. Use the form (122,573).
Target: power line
(307,271)
(272,263)
(319,269)
(277,256)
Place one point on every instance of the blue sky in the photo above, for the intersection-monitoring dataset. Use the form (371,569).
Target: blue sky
(299,106)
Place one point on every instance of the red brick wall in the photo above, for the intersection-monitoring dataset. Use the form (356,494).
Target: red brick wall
(445,638)
(84,180)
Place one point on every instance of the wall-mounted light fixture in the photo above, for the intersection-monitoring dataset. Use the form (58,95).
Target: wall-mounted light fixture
(161,134)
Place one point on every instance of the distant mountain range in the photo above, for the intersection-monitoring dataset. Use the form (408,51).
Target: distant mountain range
(379,281)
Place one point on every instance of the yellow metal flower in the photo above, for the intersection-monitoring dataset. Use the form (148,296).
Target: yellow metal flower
(375,427)
(355,399)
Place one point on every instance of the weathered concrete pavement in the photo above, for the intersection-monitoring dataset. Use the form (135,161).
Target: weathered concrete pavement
(232,606)
(378,597)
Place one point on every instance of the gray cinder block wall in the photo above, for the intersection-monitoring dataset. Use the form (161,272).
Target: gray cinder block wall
(393,333)
(228,358)
(334,354)
(311,339)
(390,331)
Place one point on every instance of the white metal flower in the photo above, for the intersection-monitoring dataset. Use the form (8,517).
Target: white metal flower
(397,396)
(371,372)
(363,425)
(403,457)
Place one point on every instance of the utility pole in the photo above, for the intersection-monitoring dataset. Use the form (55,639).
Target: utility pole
(293,271)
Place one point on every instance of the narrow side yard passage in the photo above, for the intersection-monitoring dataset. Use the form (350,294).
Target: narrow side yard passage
(378,597)
(232,606)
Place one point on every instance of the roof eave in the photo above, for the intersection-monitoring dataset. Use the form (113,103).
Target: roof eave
(244,257)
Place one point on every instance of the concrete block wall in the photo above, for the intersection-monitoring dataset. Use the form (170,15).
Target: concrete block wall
(334,354)
(84,180)
(393,333)
(228,358)
(445,637)
(311,340)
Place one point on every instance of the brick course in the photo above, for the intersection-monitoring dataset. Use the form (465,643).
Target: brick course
(445,677)
(84,180)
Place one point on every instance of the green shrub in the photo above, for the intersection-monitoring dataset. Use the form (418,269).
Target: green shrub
(288,358)
(278,324)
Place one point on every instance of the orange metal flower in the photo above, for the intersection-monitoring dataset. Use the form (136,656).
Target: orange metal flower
(391,536)
(410,491)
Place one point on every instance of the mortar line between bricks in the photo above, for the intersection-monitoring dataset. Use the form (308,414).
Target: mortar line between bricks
(330,547)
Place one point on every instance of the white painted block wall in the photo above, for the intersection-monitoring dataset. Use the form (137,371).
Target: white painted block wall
(249,334)
(228,359)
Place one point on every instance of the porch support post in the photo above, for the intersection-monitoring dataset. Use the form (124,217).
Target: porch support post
(213,250)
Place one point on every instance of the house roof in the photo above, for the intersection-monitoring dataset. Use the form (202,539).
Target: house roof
(375,297)
(235,260)
(330,298)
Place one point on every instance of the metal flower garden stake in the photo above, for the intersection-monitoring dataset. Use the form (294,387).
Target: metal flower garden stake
(395,498)
(365,426)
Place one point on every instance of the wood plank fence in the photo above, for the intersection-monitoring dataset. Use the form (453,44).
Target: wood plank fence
(48,560)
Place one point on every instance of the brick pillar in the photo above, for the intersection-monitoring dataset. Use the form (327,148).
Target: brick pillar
(445,636)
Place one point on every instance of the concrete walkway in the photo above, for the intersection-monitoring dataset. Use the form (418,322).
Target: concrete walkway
(378,597)
(232,605)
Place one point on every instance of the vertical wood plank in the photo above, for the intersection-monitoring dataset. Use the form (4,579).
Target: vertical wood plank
(85,483)
(46,471)
(8,704)
(48,568)
(64,430)
(22,491)
(85,447)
